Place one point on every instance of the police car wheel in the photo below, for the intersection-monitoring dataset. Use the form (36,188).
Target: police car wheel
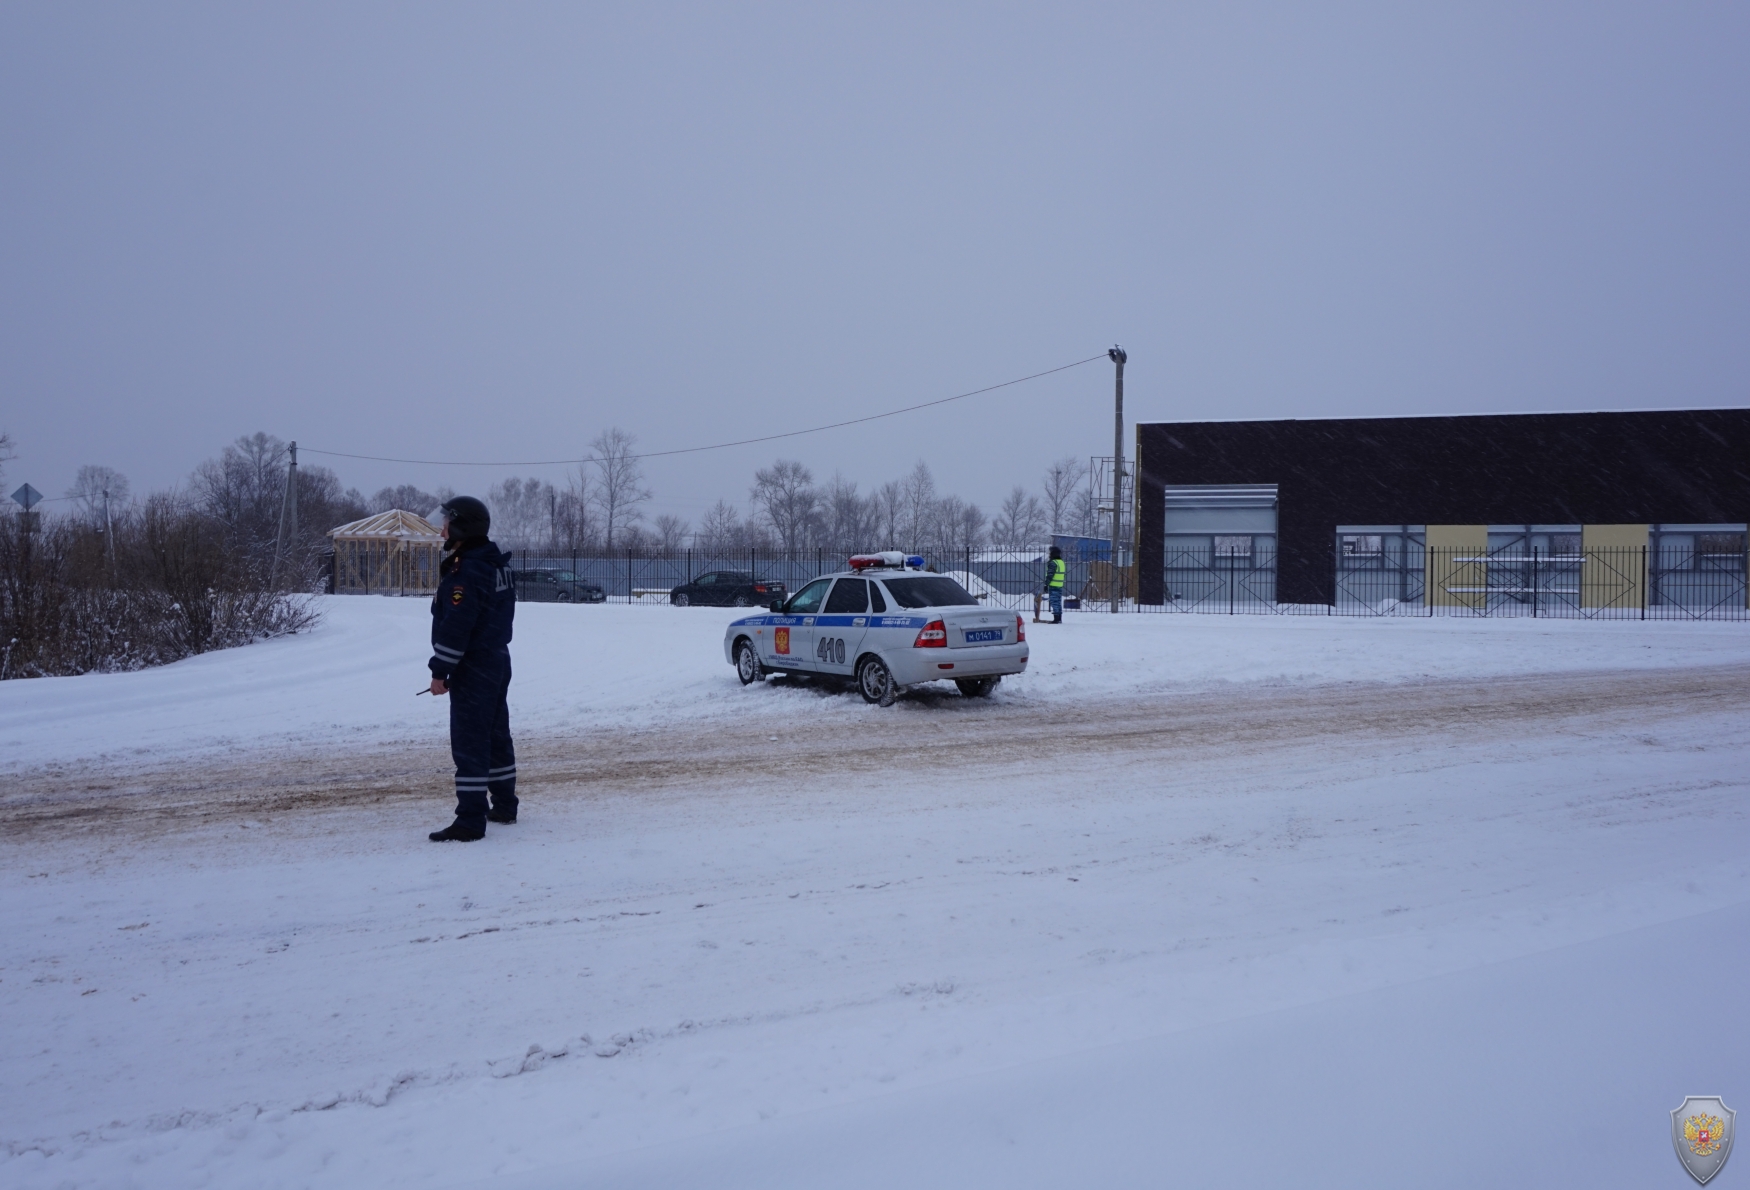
(747,665)
(679,600)
(875,682)
(977,687)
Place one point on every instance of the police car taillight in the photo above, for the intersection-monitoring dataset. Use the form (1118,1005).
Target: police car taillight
(1020,630)
(934,636)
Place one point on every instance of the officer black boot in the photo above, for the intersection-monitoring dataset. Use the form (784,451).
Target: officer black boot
(1057,619)
(501,815)
(458,832)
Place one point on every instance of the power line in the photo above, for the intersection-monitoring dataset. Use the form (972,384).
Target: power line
(657,454)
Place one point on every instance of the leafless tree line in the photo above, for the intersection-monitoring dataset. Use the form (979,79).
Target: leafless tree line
(122,583)
(786,509)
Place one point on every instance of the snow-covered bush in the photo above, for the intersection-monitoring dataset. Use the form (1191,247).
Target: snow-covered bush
(171,589)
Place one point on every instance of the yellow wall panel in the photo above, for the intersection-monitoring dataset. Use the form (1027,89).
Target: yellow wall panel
(1454,579)
(1615,573)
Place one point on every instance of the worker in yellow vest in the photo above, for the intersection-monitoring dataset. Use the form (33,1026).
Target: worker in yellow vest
(1054,572)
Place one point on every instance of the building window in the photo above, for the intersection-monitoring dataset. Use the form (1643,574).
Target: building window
(1233,546)
(1363,545)
(1719,551)
(1564,545)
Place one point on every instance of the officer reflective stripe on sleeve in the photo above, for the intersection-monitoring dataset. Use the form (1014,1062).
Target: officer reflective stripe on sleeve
(447,653)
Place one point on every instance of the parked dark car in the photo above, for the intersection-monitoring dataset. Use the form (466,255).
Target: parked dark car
(727,588)
(555,586)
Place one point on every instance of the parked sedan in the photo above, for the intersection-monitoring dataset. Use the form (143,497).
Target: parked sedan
(727,588)
(555,586)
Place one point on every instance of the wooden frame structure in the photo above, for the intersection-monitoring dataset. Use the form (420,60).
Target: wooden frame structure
(394,552)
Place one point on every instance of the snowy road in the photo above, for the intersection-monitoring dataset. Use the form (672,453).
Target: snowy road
(840,946)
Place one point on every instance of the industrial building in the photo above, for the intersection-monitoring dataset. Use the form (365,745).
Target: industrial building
(1530,512)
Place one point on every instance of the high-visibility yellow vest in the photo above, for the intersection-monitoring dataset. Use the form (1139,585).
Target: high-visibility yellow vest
(1054,573)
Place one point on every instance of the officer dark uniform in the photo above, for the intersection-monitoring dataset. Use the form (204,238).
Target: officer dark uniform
(1054,571)
(471,618)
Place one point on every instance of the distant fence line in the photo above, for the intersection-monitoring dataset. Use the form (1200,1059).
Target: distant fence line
(1605,583)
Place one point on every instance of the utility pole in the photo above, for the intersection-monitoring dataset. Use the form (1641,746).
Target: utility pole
(109,537)
(1117,355)
(288,511)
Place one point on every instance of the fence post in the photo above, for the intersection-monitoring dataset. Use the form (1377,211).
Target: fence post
(1644,577)
(1534,582)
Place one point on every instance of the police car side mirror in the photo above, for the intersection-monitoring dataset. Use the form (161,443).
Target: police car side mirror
(777,605)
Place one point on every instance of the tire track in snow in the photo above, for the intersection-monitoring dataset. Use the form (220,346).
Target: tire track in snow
(927,731)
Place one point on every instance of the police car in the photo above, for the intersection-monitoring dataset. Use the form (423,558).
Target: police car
(887,624)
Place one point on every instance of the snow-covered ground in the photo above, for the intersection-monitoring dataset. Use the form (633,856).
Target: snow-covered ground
(1198,901)
(353,680)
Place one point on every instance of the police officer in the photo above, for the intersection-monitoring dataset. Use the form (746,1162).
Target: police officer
(471,618)
(1054,569)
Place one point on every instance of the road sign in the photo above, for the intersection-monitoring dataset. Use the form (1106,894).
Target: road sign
(27,496)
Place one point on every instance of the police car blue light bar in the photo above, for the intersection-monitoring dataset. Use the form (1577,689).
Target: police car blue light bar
(887,559)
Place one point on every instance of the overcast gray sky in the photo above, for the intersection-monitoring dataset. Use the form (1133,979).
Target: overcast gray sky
(488,232)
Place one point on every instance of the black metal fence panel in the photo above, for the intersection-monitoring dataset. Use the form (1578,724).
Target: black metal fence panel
(1609,583)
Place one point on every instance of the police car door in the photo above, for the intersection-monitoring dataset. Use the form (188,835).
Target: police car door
(791,642)
(839,629)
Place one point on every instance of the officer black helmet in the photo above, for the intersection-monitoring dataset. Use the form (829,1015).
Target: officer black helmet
(467,517)
(1056,553)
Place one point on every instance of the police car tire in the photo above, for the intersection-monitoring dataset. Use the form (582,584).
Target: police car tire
(875,682)
(679,600)
(977,687)
(747,664)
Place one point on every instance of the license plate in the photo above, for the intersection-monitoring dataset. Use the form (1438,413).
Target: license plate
(979,635)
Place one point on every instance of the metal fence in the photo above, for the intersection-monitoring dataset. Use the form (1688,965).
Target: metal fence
(1619,583)
(1626,583)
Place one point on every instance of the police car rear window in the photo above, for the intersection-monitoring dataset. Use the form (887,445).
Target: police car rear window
(849,595)
(934,590)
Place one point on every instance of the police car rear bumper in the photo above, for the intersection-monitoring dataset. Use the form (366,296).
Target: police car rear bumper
(915,666)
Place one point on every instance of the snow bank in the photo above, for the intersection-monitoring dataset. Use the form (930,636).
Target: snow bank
(354,678)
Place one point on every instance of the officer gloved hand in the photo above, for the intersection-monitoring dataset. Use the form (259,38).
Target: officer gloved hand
(439,686)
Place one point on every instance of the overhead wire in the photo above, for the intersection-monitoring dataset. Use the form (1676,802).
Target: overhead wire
(657,454)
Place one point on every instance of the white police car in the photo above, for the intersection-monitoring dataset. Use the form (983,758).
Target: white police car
(887,624)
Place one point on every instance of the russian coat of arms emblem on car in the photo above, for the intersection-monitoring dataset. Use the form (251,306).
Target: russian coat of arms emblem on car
(1701,1128)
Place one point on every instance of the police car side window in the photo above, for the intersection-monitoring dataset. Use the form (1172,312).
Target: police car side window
(876,603)
(808,599)
(849,596)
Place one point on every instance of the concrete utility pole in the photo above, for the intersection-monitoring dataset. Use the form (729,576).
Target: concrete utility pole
(288,511)
(1117,355)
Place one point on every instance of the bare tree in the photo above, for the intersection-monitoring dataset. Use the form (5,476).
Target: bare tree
(967,524)
(917,510)
(619,488)
(7,452)
(848,519)
(407,498)
(522,511)
(671,532)
(572,513)
(1020,522)
(1084,513)
(89,487)
(721,528)
(785,498)
(1062,479)
(885,509)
